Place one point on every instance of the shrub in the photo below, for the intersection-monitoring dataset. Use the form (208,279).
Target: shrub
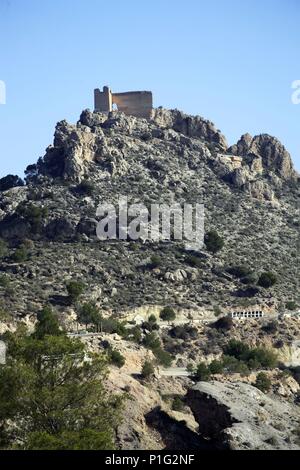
(239,271)
(155,261)
(20,255)
(75,290)
(33,214)
(236,349)
(151,341)
(202,372)
(112,325)
(89,313)
(163,357)
(152,319)
(250,279)
(134,334)
(213,242)
(4,280)
(147,369)
(231,364)
(85,187)
(217,311)
(223,323)
(216,367)
(190,368)
(270,327)
(167,314)
(116,358)
(265,357)
(177,404)
(47,324)
(253,358)
(183,332)
(4,314)
(10,181)
(194,261)
(267,279)
(262,382)
(3,248)
(291,305)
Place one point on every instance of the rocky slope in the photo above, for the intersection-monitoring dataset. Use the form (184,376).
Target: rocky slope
(48,229)
(173,158)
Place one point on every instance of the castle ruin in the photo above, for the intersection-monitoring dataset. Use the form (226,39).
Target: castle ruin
(134,103)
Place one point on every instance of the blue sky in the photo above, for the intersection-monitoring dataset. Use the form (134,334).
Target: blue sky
(230,61)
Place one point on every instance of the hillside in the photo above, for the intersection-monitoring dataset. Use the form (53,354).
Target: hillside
(250,193)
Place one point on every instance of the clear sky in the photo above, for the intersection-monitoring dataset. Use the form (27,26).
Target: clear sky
(231,61)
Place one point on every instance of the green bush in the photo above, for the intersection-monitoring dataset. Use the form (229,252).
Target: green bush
(194,261)
(89,314)
(239,271)
(134,334)
(267,279)
(151,341)
(147,369)
(47,324)
(85,187)
(216,367)
(262,382)
(167,314)
(33,214)
(265,357)
(253,358)
(4,280)
(202,372)
(270,327)
(112,325)
(152,319)
(4,314)
(231,364)
(223,323)
(185,332)
(237,349)
(155,262)
(213,241)
(20,255)
(249,279)
(75,290)
(217,310)
(3,248)
(116,358)
(163,357)
(177,404)
(291,305)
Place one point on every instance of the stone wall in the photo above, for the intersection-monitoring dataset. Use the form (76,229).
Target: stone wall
(134,103)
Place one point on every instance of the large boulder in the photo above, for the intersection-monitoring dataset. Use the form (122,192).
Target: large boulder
(239,416)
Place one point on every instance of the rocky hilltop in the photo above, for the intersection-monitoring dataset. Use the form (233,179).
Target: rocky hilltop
(172,158)
(250,192)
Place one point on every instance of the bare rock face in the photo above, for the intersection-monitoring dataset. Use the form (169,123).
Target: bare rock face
(239,416)
(191,126)
(265,153)
(72,148)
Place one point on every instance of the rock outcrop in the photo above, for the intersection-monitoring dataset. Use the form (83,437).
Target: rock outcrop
(238,416)
(265,154)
